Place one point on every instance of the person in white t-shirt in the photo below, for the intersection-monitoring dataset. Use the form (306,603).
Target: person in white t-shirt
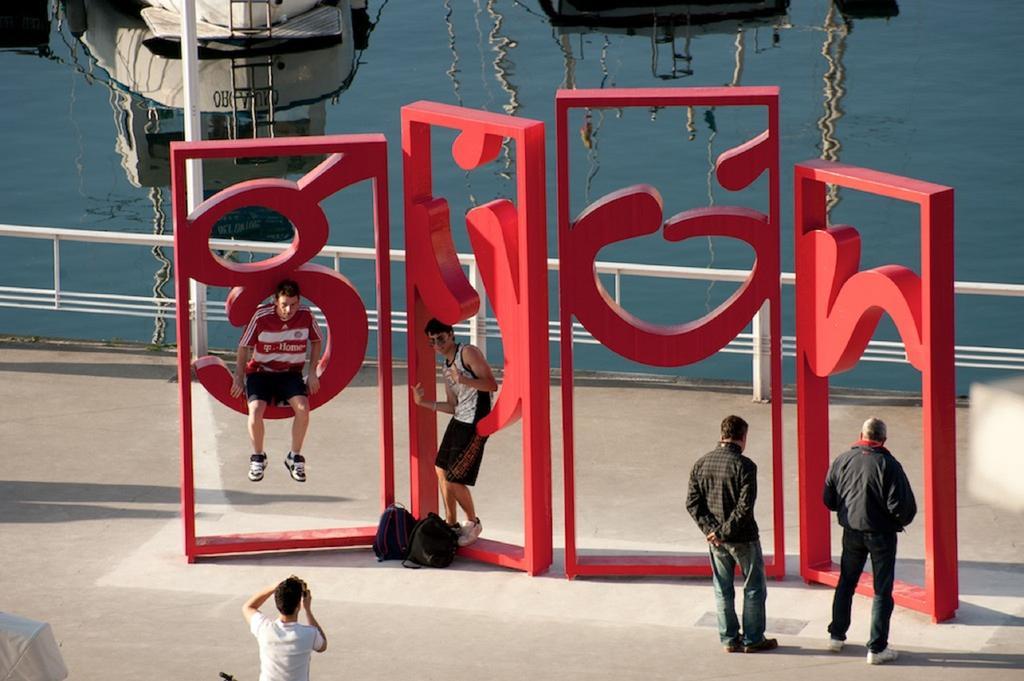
(286,645)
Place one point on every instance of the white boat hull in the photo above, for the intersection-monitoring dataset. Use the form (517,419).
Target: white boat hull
(241,15)
(118,45)
(231,97)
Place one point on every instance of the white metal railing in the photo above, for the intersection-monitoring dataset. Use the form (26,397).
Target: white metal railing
(480,327)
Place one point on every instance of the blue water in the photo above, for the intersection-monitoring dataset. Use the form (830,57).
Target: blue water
(934,92)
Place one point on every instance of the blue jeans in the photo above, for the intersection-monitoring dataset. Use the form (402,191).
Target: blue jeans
(881,546)
(724,559)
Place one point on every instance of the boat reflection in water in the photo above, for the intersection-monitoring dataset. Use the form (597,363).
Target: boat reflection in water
(837,26)
(665,24)
(242,94)
(244,14)
(25,27)
(670,26)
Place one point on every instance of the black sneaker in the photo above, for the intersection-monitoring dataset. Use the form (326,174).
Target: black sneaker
(765,644)
(296,465)
(257,463)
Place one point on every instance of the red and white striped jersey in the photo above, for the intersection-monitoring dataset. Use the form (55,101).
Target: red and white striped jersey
(279,345)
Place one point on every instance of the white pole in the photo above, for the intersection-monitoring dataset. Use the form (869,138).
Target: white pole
(56,273)
(478,322)
(762,354)
(194,169)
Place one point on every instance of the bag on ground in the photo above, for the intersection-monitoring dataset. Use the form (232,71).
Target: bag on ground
(393,533)
(432,544)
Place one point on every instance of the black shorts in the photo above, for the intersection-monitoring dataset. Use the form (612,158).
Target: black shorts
(274,387)
(460,453)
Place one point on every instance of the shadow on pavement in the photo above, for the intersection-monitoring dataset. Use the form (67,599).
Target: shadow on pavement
(96,369)
(56,502)
(962,660)
(913,658)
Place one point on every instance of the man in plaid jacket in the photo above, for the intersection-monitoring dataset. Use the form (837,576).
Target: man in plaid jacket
(721,496)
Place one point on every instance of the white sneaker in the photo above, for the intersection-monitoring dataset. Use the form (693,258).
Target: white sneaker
(835,645)
(470,531)
(257,462)
(887,655)
(296,465)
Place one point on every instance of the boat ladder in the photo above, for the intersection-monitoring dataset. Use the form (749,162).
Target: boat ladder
(248,25)
(664,33)
(252,86)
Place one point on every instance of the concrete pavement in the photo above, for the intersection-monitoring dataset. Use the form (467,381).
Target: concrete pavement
(90,540)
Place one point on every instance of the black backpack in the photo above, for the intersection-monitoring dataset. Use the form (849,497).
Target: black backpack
(393,533)
(432,543)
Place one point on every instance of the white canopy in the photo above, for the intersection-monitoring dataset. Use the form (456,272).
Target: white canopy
(28,651)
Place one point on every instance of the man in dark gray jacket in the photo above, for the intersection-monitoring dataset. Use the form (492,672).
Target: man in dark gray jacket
(870,493)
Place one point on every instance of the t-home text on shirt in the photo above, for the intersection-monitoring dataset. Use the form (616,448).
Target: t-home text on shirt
(279,345)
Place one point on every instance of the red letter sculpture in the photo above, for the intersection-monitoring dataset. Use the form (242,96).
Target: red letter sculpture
(637,211)
(838,307)
(350,159)
(510,244)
